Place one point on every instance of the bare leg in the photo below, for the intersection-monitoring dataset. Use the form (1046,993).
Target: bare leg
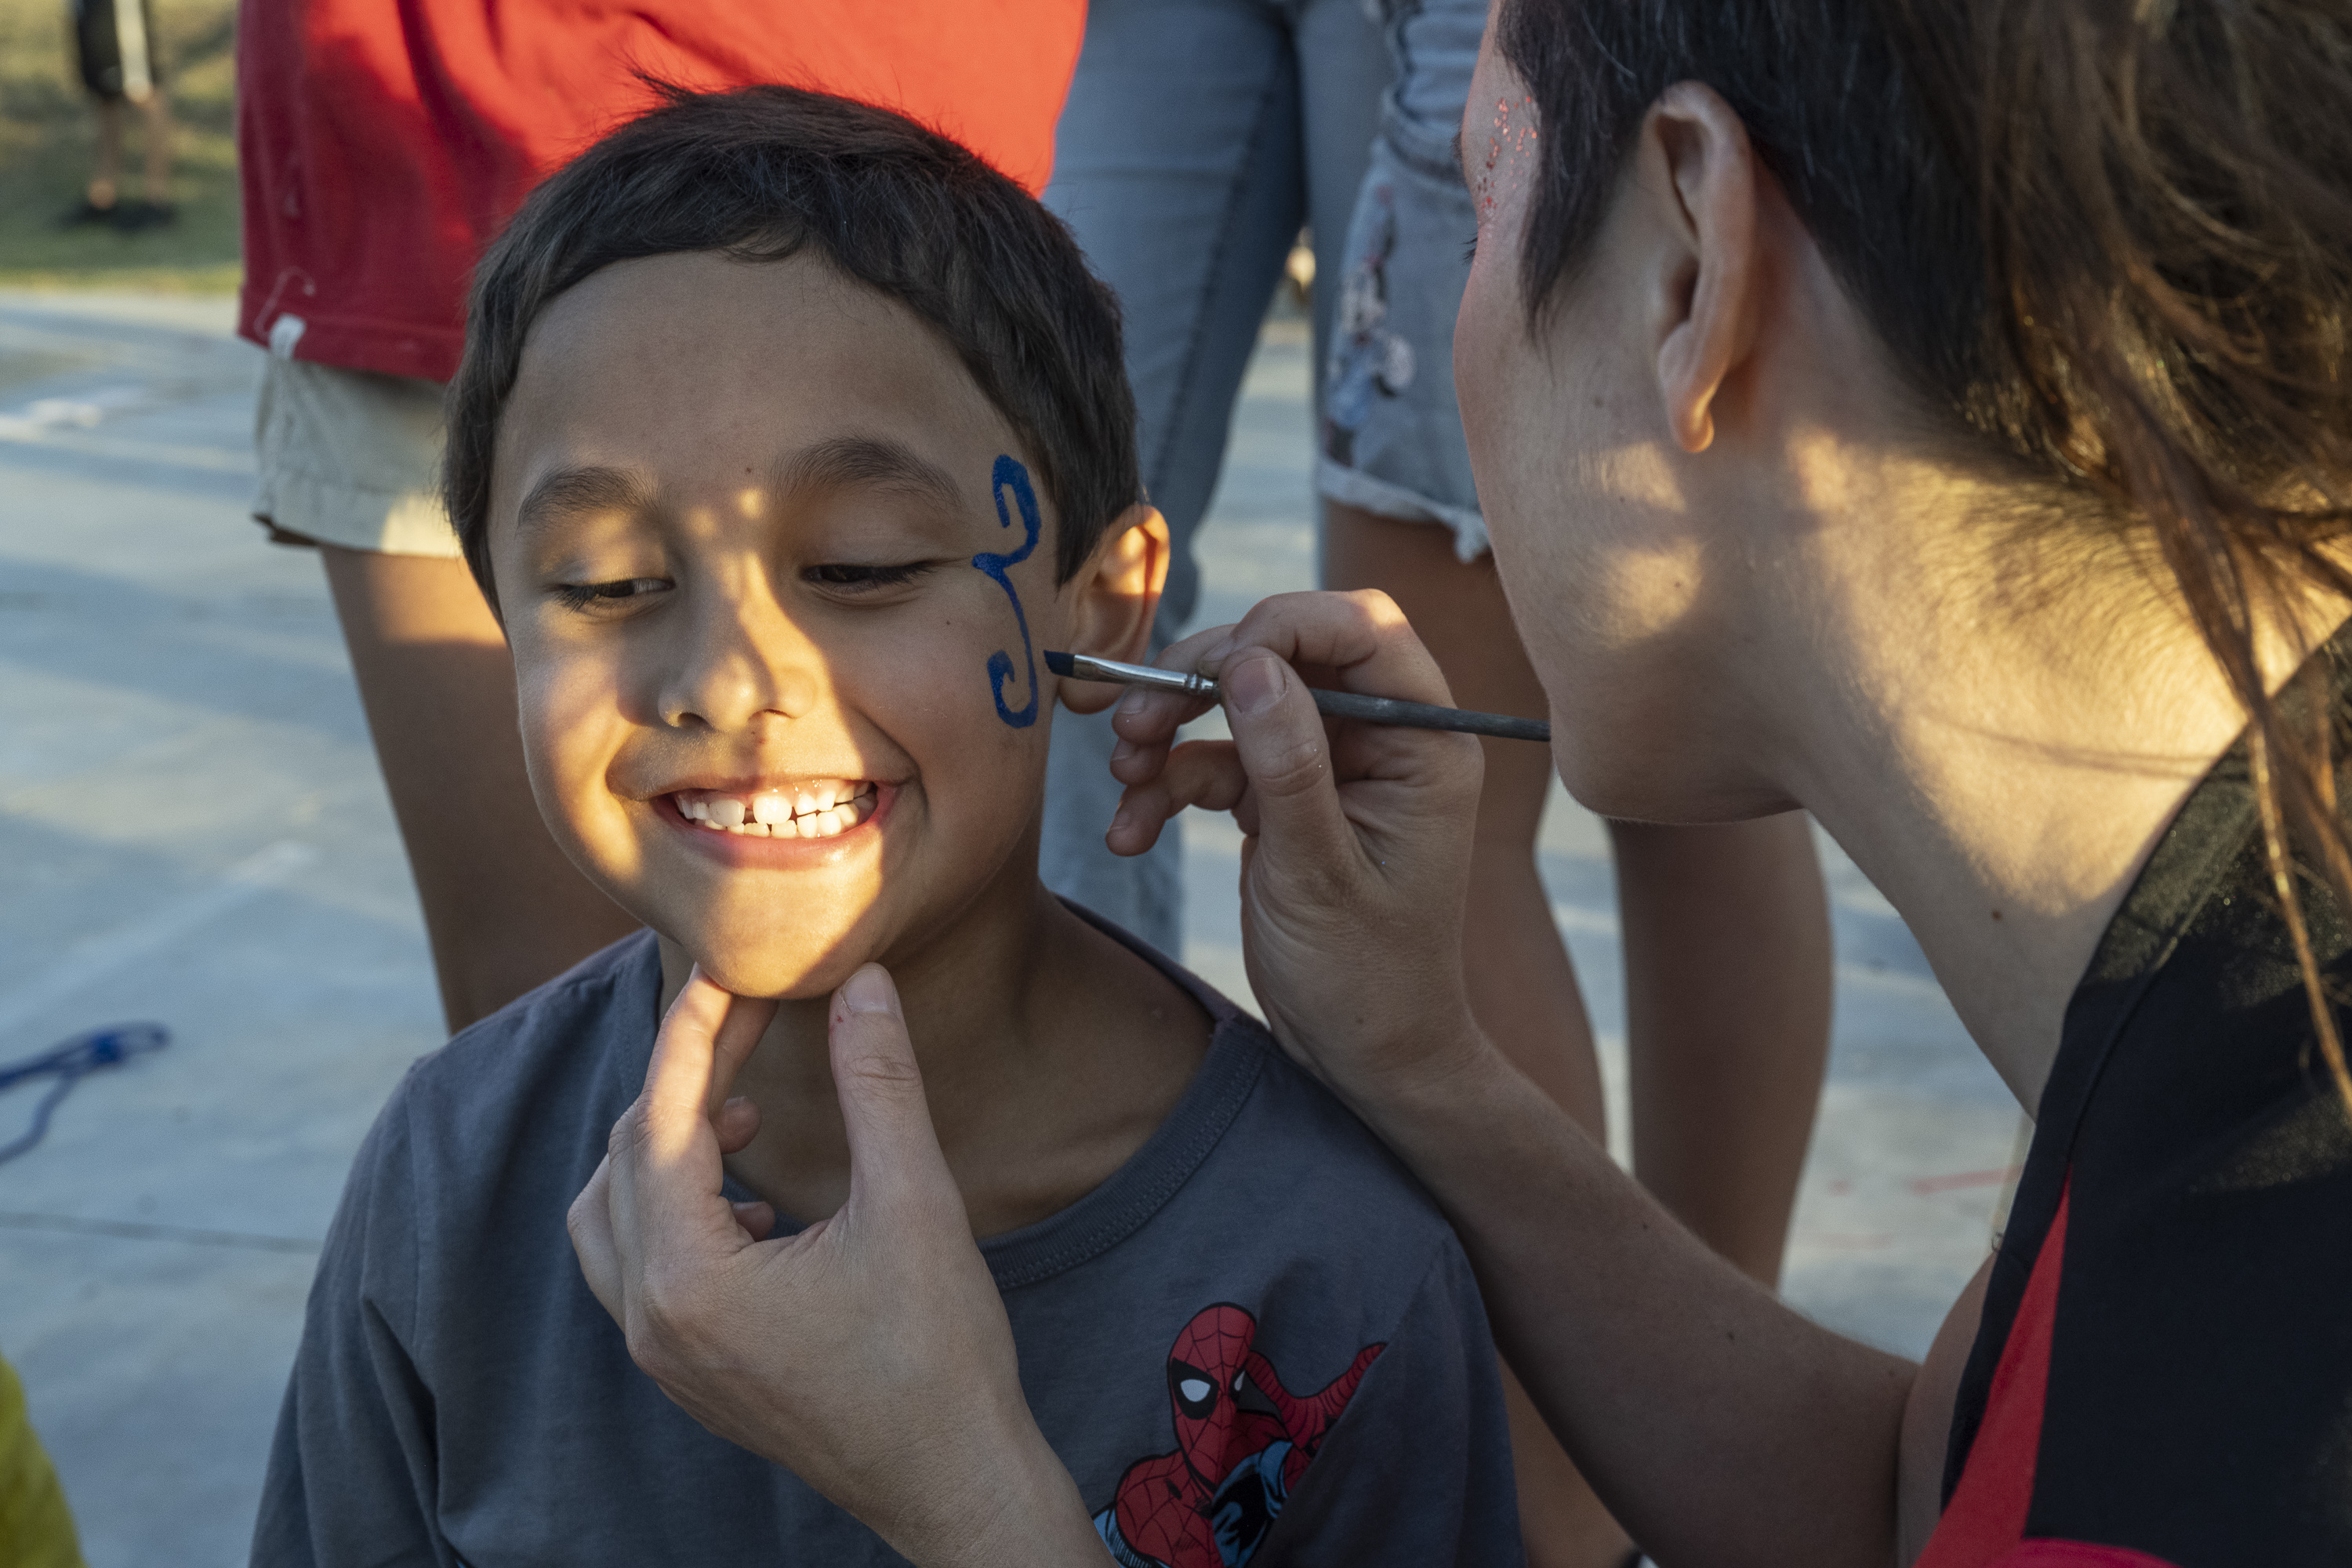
(1522,987)
(158,113)
(1728,1001)
(503,909)
(106,177)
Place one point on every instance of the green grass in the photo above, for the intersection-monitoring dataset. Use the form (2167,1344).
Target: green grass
(49,135)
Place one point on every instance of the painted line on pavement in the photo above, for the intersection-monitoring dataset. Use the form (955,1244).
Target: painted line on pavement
(214,460)
(135,1231)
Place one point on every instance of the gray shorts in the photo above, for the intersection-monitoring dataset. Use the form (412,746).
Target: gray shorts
(1391,435)
(351,458)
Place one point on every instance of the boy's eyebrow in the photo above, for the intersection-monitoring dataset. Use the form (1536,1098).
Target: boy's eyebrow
(575,493)
(1457,147)
(866,462)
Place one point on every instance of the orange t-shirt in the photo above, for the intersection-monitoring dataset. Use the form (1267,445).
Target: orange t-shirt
(383,144)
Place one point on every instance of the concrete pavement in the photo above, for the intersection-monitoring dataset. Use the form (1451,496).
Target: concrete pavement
(191,830)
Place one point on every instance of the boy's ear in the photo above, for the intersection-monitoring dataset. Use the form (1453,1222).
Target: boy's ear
(1113,599)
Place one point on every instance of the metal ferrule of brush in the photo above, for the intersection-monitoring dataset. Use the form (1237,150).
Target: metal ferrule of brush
(1187,682)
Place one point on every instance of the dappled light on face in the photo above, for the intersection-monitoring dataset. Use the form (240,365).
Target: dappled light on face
(738,655)
(1649,556)
(699,525)
(1831,481)
(761,842)
(1648,594)
(751,502)
(799,932)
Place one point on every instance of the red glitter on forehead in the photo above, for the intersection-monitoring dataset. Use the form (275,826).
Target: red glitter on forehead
(1521,135)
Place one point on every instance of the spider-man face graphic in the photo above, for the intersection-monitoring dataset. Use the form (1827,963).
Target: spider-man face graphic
(1205,1375)
(1211,1502)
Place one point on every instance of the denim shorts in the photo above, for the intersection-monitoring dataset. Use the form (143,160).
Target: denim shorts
(1391,432)
(1199,136)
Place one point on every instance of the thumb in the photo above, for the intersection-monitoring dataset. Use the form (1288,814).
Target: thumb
(1285,751)
(893,1150)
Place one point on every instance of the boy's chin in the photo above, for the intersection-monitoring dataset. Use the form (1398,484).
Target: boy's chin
(782,977)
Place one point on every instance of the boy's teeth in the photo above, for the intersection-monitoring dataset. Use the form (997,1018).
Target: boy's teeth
(817,810)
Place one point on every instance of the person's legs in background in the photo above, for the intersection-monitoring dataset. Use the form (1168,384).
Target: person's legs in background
(105,187)
(1725,939)
(114,50)
(348,462)
(1725,928)
(1728,986)
(1521,984)
(155,183)
(1199,136)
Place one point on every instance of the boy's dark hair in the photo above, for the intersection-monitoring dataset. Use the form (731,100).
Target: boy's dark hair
(762,174)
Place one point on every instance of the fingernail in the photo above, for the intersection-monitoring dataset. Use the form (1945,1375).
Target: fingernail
(1255,685)
(1132,703)
(869,990)
(1120,818)
(1121,751)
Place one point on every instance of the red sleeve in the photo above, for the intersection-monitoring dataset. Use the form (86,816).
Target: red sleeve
(382,143)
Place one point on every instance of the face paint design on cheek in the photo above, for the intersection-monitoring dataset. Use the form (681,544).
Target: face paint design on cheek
(1010,474)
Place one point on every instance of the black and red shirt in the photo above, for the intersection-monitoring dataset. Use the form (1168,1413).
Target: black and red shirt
(2164,1366)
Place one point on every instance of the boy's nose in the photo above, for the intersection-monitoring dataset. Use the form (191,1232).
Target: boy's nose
(743,660)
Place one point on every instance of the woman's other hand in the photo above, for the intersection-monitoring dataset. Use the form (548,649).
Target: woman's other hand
(1357,850)
(869,1354)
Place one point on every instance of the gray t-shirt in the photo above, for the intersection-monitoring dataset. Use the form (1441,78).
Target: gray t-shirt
(1261,1286)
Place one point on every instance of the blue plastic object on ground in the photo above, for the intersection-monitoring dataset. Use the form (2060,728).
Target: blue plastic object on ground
(71,1063)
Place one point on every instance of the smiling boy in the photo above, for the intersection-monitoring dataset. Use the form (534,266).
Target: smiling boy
(788,435)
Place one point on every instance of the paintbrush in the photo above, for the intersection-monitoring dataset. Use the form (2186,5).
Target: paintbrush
(1338,704)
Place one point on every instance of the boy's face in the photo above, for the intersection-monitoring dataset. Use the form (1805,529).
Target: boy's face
(736,513)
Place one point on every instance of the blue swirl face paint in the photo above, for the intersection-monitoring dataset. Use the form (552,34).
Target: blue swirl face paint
(1010,474)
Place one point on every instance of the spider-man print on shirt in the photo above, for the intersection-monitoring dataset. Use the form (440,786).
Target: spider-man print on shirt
(1242,1442)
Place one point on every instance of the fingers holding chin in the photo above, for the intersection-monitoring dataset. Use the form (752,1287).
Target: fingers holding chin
(736,1123)
(588,1222)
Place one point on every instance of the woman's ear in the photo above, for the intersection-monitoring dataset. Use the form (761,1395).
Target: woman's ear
(1113,599)
(1701,175)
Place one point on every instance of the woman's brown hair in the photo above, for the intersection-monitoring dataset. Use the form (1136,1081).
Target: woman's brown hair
(2111,238)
